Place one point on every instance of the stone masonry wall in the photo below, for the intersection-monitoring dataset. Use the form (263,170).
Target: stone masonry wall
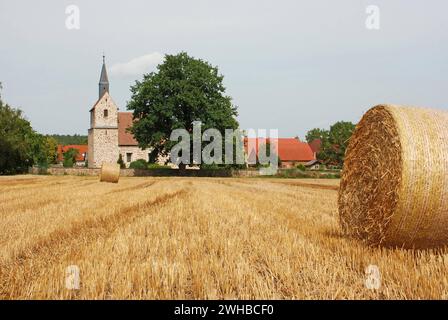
(104,147)
(103,134)
(60,171)
(98,119)
(137,153)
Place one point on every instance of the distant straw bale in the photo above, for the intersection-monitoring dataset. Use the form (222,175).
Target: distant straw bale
(110,172)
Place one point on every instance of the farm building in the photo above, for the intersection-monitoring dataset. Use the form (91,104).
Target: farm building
(291,151)
(315,165)
(316,145)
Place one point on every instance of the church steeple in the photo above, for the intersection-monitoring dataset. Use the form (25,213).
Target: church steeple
(104,81)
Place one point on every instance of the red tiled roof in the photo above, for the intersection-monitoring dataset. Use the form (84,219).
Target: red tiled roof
(289,149)
(315,145)
(125,138)
(82,151)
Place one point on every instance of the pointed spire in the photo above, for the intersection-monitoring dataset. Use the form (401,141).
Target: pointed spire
(104,80)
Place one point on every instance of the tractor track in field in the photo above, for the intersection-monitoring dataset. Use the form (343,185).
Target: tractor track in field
(289,183)
(133,188)
(51,200)
(52,246)
(14,182)
(307,185)
(61,185)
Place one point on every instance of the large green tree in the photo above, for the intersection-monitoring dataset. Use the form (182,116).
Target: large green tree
(333,148)
(51,149)
(316,133)
(70,157)
(181,91)
(20,145)
(334,142)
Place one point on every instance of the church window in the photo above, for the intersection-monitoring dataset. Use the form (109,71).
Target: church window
(128,157)
(106,113)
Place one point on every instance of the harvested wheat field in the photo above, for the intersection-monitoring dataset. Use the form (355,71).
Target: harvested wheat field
(195,238)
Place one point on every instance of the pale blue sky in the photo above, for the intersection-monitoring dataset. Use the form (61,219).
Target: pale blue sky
(291,65)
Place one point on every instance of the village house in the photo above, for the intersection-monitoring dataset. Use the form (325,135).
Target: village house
(314,165)
(316,145)
(291,151)
(80,158)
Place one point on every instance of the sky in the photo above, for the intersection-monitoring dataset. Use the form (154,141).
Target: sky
(288,65)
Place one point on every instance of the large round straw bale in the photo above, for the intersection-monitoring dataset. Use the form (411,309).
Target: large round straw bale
(110,172)
(394,187)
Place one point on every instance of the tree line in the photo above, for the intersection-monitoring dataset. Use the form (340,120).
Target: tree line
(21,146)
(67,139)
(182,90)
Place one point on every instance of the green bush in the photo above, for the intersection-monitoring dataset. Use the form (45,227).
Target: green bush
(292,173)
(139,164)
(68,163)
(20,146)
(332,176)
(301,167)
(157,166)
(70,157)
(212,166)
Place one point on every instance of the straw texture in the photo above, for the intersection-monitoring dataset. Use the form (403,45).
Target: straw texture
(394,186)
(110,172)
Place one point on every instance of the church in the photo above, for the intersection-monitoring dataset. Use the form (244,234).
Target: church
(108,136)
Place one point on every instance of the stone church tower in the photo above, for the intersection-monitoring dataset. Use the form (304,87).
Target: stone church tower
(103,132)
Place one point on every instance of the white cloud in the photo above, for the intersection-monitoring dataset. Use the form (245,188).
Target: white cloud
(137,66)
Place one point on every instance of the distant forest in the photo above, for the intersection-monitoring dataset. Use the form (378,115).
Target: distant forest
(66,139)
